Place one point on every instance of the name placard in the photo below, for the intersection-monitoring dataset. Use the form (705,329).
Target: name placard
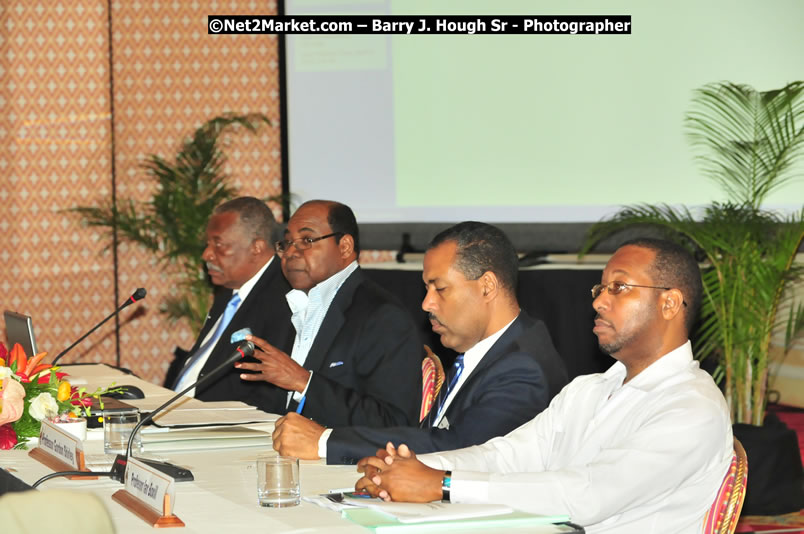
(150,486)
(61,445)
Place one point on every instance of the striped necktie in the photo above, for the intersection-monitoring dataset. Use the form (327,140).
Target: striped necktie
(443,394)
(231,308)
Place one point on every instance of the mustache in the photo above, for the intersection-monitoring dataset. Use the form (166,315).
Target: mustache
(212,267)
(432,317)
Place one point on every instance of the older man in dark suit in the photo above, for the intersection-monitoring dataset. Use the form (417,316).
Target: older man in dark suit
(250,293)
(356,358)
(507,374)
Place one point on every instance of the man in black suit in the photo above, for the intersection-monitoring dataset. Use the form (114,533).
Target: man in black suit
(241,263)
(356,358)
(510,369)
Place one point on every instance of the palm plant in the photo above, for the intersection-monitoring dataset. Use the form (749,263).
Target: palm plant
(748,142)
(171,224)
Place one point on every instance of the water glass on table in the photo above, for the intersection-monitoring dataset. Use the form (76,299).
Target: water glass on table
(117,428)
(277,480)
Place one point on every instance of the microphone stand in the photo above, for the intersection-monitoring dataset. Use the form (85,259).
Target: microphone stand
(180,474)
(139,294)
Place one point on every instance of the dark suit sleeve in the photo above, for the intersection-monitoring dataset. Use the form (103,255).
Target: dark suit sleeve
(382,366)
(506,395)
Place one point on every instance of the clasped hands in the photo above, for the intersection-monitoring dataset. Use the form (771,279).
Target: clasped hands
(396,475)
(274,367)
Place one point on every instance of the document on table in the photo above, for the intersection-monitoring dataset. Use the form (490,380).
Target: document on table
(387,516)
(205,438)
(384,524)
(197,413)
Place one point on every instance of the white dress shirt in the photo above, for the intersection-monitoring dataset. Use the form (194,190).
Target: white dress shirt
(644,457)
(243,291)
(309,310)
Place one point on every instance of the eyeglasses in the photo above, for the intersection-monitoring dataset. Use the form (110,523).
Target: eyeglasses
(615,288)
(301,243)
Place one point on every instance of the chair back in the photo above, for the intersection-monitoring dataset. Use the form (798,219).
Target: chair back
(432,379)
(722,517)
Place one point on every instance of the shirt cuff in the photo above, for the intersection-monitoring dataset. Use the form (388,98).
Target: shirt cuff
(298,396)
(469,487)
(322,443)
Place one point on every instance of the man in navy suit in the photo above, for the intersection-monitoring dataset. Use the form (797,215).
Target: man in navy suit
(509,369)
(251,288)
(356,358)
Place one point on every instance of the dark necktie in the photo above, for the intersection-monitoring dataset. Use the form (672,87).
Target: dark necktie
(443,394)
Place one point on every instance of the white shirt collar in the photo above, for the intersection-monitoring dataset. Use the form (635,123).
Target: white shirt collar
(324,291)
(655,374)
(246,288)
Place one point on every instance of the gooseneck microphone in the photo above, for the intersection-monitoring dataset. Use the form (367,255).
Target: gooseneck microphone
(245,348)
(139,294)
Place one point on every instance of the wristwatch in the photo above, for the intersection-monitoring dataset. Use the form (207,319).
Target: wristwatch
(446,483)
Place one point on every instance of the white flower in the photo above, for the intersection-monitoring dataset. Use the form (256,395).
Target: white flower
(5,372)
(44,406)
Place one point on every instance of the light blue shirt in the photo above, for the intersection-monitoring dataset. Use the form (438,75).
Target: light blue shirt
(309,310)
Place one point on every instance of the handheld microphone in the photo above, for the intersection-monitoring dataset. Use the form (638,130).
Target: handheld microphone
(139,294)
(245,348)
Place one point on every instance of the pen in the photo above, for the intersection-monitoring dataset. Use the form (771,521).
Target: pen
(301,404)
(341,490)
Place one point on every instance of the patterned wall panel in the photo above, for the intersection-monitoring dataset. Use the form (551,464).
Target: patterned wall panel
(54,153)
(170,76)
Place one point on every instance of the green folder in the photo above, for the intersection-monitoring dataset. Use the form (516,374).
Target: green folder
(383,523)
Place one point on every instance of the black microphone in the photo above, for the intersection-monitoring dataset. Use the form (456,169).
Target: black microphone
(139,294)
(180,474)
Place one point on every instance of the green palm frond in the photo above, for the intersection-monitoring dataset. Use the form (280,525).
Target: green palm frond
(748,142)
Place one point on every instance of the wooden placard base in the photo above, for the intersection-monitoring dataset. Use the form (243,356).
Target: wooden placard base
(146,513)
(57,465)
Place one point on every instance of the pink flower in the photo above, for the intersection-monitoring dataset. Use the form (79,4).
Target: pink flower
(11,402)
(8,438)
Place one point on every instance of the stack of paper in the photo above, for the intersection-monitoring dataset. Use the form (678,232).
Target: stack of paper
(206,438)
(197,413)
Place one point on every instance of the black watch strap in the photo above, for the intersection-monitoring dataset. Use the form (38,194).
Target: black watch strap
(446,484)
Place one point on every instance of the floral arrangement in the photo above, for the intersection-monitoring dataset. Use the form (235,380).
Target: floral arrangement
(32,391)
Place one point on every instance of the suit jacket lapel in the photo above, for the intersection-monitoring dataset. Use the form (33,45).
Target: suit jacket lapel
(222,297)
(333,321)
(497,351)
(223,348)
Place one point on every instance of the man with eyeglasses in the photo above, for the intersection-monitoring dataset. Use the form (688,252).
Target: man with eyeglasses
(506,373)
(250,292)
(357,355)
(642,448)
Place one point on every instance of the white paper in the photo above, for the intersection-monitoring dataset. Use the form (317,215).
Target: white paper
(205,438)
(174,418)
(431,511)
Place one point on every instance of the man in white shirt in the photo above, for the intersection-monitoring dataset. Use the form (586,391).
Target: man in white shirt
(641,448)
(357,355)
(507,372)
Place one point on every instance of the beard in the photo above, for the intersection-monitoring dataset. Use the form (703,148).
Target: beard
(615,345)
(632,330)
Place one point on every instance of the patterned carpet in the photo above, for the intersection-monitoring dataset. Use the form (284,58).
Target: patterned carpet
(793,418)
